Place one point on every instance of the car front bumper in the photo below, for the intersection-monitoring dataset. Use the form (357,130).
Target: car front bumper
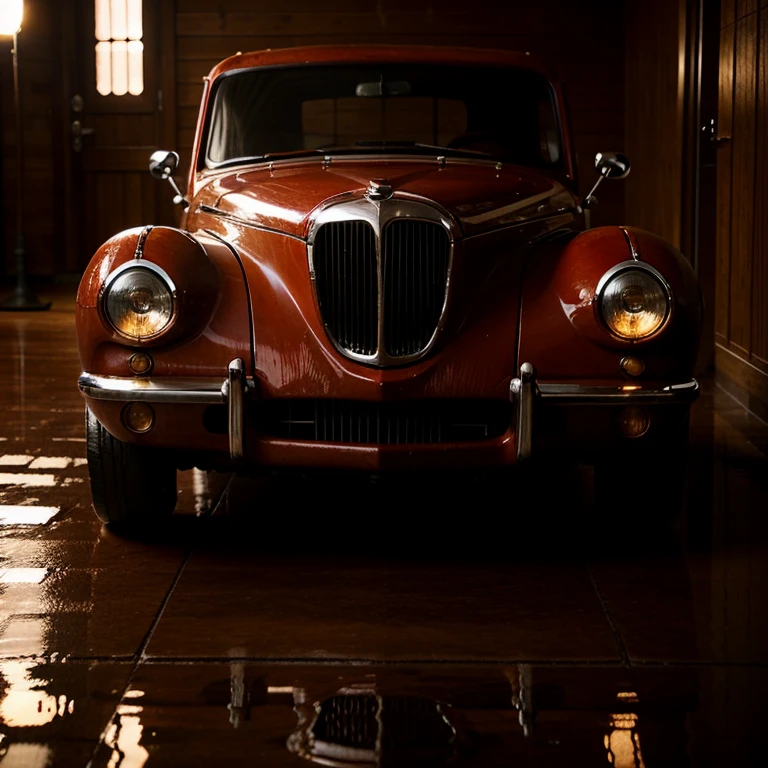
(527,394)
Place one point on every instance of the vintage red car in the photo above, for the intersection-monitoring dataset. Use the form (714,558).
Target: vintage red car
(383,264)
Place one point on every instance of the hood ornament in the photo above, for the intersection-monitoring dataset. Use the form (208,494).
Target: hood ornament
(379,189)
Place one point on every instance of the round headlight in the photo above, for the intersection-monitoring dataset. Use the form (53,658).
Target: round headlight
(138,301)
(634,303)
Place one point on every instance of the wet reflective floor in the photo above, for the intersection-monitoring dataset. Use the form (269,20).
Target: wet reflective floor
(432,622)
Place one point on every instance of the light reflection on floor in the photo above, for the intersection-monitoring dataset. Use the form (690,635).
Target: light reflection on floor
(14,514)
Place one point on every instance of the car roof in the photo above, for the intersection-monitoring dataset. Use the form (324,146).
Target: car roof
(389,54)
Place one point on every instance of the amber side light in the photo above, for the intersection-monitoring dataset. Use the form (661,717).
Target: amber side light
(632,366)
(140,363)
(633,422)
(139,417)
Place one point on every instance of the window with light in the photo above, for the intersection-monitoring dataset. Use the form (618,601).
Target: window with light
(119,47)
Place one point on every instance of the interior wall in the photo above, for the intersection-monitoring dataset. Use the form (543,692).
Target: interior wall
(741,316)
(38,56)
(653,114)
(581,42)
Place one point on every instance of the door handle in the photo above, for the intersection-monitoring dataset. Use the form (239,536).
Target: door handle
(77,135)
(711,129)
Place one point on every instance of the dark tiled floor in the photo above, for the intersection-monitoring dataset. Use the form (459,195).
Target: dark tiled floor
(455,624)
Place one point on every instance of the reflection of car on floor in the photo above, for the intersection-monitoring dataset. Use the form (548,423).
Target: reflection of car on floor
(376,270)
(459,715)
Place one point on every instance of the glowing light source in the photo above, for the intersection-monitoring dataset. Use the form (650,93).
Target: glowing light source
(11,16)
(118,30)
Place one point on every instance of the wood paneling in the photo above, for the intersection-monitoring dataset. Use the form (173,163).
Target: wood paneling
(743,191)
(727,12)
(655,46)
(37,52)
(742,239)
(760,250)
(745,7)
(724,159)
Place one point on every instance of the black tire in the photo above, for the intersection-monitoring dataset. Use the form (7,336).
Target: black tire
(644,484)
(130,485)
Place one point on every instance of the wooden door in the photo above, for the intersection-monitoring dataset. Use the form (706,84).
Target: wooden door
(114,103)
(741,319)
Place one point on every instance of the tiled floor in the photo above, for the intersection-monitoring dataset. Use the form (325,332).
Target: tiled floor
(272,620)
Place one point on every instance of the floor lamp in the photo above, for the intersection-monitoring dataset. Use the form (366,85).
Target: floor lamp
(22,298)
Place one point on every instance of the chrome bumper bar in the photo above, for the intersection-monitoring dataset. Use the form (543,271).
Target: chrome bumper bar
(187,391)
(525,390)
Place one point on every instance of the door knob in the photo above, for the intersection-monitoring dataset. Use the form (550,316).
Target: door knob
(77,135)
(711,129)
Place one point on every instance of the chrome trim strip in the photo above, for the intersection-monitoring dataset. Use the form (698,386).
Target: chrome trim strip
(139,252)
(630,238)
(522,391)
(378,214)
(235,394)
(158,390)
(576,394)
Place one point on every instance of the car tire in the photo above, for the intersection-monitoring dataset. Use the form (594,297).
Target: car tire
(644,485)
(130,485)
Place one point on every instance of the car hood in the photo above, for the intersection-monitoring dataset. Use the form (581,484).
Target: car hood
(478,195)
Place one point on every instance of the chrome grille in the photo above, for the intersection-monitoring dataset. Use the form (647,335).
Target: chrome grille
(386,423)
(415,270)
(347,284)
(381,302)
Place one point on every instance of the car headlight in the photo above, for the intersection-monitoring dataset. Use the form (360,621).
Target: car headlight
(138,300)
(634,301)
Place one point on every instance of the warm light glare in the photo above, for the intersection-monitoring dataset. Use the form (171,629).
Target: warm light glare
(11,16)
(11,514)
(135,27)
(119,28)
(103,27)
(135,67)
(104,68)
(119,19)
(23,575)
(120,68)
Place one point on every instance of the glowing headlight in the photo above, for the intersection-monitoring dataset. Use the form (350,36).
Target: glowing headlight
(634,302)
(138,301)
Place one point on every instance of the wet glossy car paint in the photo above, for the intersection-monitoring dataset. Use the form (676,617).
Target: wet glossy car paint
(522,289)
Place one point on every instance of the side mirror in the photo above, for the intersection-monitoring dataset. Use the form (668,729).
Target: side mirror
(610,165)
(162,165)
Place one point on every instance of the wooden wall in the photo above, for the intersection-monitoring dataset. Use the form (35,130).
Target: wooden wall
(38,59)
(581,41)
(653,114)
(741,319)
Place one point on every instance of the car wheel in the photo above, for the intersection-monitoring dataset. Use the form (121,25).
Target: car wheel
(648,485)
(130,484)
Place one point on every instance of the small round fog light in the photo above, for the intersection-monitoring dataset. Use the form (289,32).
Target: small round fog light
(139,417)
(634,422)
(140,363)
(632,366)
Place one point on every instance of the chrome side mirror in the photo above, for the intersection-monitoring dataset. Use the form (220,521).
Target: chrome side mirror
(162,165)
(610,165)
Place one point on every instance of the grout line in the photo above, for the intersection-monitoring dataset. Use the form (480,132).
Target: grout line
(614,628)
(140,655)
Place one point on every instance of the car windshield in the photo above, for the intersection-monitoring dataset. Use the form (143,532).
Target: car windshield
(499,113)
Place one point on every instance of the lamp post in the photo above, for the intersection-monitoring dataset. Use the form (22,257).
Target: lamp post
(22,298)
